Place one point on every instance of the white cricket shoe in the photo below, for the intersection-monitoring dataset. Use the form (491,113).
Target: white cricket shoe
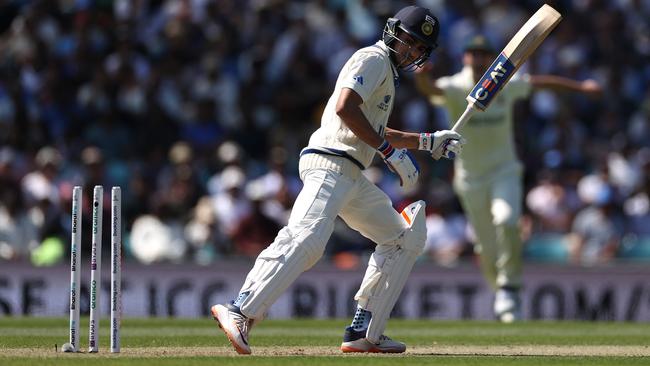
(354,341)
(235,325)
(507,305)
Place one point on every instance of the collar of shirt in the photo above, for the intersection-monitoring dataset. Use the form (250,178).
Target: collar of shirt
(385,48)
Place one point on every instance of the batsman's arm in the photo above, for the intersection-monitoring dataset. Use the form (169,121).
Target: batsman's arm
(403,140)
(440,143)
(589,87)
(399,161)
(347,108)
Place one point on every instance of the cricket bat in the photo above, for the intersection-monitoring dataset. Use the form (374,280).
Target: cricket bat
(516,52)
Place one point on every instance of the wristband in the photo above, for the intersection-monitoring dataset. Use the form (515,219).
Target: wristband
(386,149)
(426,141)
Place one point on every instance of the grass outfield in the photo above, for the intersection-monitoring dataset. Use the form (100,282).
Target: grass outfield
(31,341)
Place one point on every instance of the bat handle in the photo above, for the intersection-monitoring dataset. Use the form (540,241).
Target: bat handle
(469,112)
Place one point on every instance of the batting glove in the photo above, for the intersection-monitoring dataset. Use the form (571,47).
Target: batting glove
(443,143)
(400,162)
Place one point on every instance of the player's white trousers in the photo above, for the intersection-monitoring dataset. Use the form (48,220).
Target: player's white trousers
(494,208)
(332,187)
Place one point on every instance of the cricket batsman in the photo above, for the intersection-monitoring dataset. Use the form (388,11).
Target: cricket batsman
(353,129)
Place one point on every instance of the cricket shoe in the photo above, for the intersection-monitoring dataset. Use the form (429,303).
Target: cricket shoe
(356,341)
(507,305)
(235,325)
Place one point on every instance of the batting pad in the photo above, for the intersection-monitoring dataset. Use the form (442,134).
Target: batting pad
(389,268)
(278,266)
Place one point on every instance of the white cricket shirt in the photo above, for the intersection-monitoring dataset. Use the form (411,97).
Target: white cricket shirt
(370,73)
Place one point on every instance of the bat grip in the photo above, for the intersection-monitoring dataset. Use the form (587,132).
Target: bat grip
(469,112)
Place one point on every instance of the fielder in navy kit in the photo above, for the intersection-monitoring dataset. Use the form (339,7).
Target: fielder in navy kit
(353,129)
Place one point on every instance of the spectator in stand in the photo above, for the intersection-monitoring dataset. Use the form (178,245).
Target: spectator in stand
(19,232)
(231,204)
(255,230)
(550,205)
(637,207)
(39,186)
(597,228)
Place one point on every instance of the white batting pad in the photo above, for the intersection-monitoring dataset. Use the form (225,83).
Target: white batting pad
(389,268)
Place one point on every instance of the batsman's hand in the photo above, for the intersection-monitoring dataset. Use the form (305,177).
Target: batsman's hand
(402,163)
(443,143)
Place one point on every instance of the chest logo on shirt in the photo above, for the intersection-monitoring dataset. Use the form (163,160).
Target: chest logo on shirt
(358,79)
(385,104)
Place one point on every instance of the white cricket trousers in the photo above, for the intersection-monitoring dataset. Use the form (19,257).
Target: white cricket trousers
(494,208)
(333,186)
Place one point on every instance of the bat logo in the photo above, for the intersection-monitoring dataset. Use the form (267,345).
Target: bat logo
(492,81)
(488,85)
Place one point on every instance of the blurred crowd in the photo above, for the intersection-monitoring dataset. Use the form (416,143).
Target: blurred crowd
(198,110)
